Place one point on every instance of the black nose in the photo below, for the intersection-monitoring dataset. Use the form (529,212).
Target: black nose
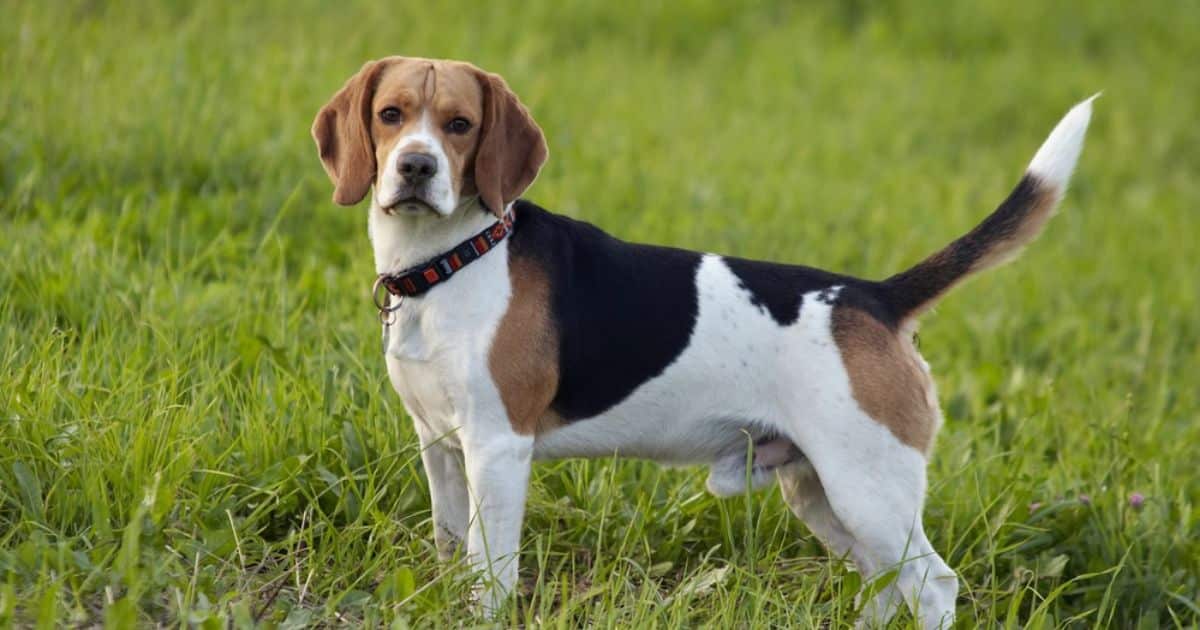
(417,167)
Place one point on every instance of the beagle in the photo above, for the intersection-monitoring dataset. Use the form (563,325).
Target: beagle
(514,334)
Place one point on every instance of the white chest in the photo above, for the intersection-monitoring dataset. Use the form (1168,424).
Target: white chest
(437,347)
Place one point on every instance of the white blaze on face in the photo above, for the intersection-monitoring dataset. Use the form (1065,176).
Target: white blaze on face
(437,192)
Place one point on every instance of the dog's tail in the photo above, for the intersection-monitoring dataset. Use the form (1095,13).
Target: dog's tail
(1000,237)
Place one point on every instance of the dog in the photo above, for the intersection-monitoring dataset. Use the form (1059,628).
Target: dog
(513,334)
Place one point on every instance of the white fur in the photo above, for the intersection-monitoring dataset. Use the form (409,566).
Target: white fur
(680,416)
(741,365)
(436,353)
(403,239)
(440,188)
(1055,160)
(741,377)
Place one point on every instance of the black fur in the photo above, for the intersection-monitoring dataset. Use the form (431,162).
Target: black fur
(778,289)
(624,311)
(910,290)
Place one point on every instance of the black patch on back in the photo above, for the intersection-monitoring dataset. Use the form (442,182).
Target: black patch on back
(779,289)
(866,296)
(624,312)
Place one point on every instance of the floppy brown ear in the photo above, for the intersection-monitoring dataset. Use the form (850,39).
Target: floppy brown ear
(342,130)
(512,148)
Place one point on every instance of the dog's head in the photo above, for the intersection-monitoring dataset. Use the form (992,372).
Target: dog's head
(428,134)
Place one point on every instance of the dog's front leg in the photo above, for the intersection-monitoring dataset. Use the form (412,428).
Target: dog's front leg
(497,464)
(447,477)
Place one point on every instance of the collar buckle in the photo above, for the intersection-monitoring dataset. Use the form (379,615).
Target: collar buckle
(387,314)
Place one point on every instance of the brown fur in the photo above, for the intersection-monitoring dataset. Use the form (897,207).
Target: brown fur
(343,137)
(1041,208)
(513,148)
(443,91)
(498,158)
(524,354)
(997,239)
(887,377)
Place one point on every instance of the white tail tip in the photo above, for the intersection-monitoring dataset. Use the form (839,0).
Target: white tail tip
(1055,161)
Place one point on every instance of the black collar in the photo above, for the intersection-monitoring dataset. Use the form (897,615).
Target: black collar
(420,278)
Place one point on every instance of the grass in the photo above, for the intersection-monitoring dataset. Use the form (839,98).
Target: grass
(195,424)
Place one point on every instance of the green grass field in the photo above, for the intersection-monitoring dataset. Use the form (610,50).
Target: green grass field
(195,421)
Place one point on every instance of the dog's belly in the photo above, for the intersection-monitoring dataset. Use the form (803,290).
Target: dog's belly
(743,376)
(679,441)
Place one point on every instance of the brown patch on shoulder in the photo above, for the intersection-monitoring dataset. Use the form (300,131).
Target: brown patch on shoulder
(524,356)
(889,380)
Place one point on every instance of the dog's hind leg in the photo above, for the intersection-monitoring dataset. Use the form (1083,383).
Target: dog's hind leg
(865,428)
(805,497)
(874,488)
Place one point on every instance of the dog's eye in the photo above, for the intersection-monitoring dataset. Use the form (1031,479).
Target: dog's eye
(390,115)
(458,125)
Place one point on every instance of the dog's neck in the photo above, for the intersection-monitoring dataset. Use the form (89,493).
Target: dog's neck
(405,239)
